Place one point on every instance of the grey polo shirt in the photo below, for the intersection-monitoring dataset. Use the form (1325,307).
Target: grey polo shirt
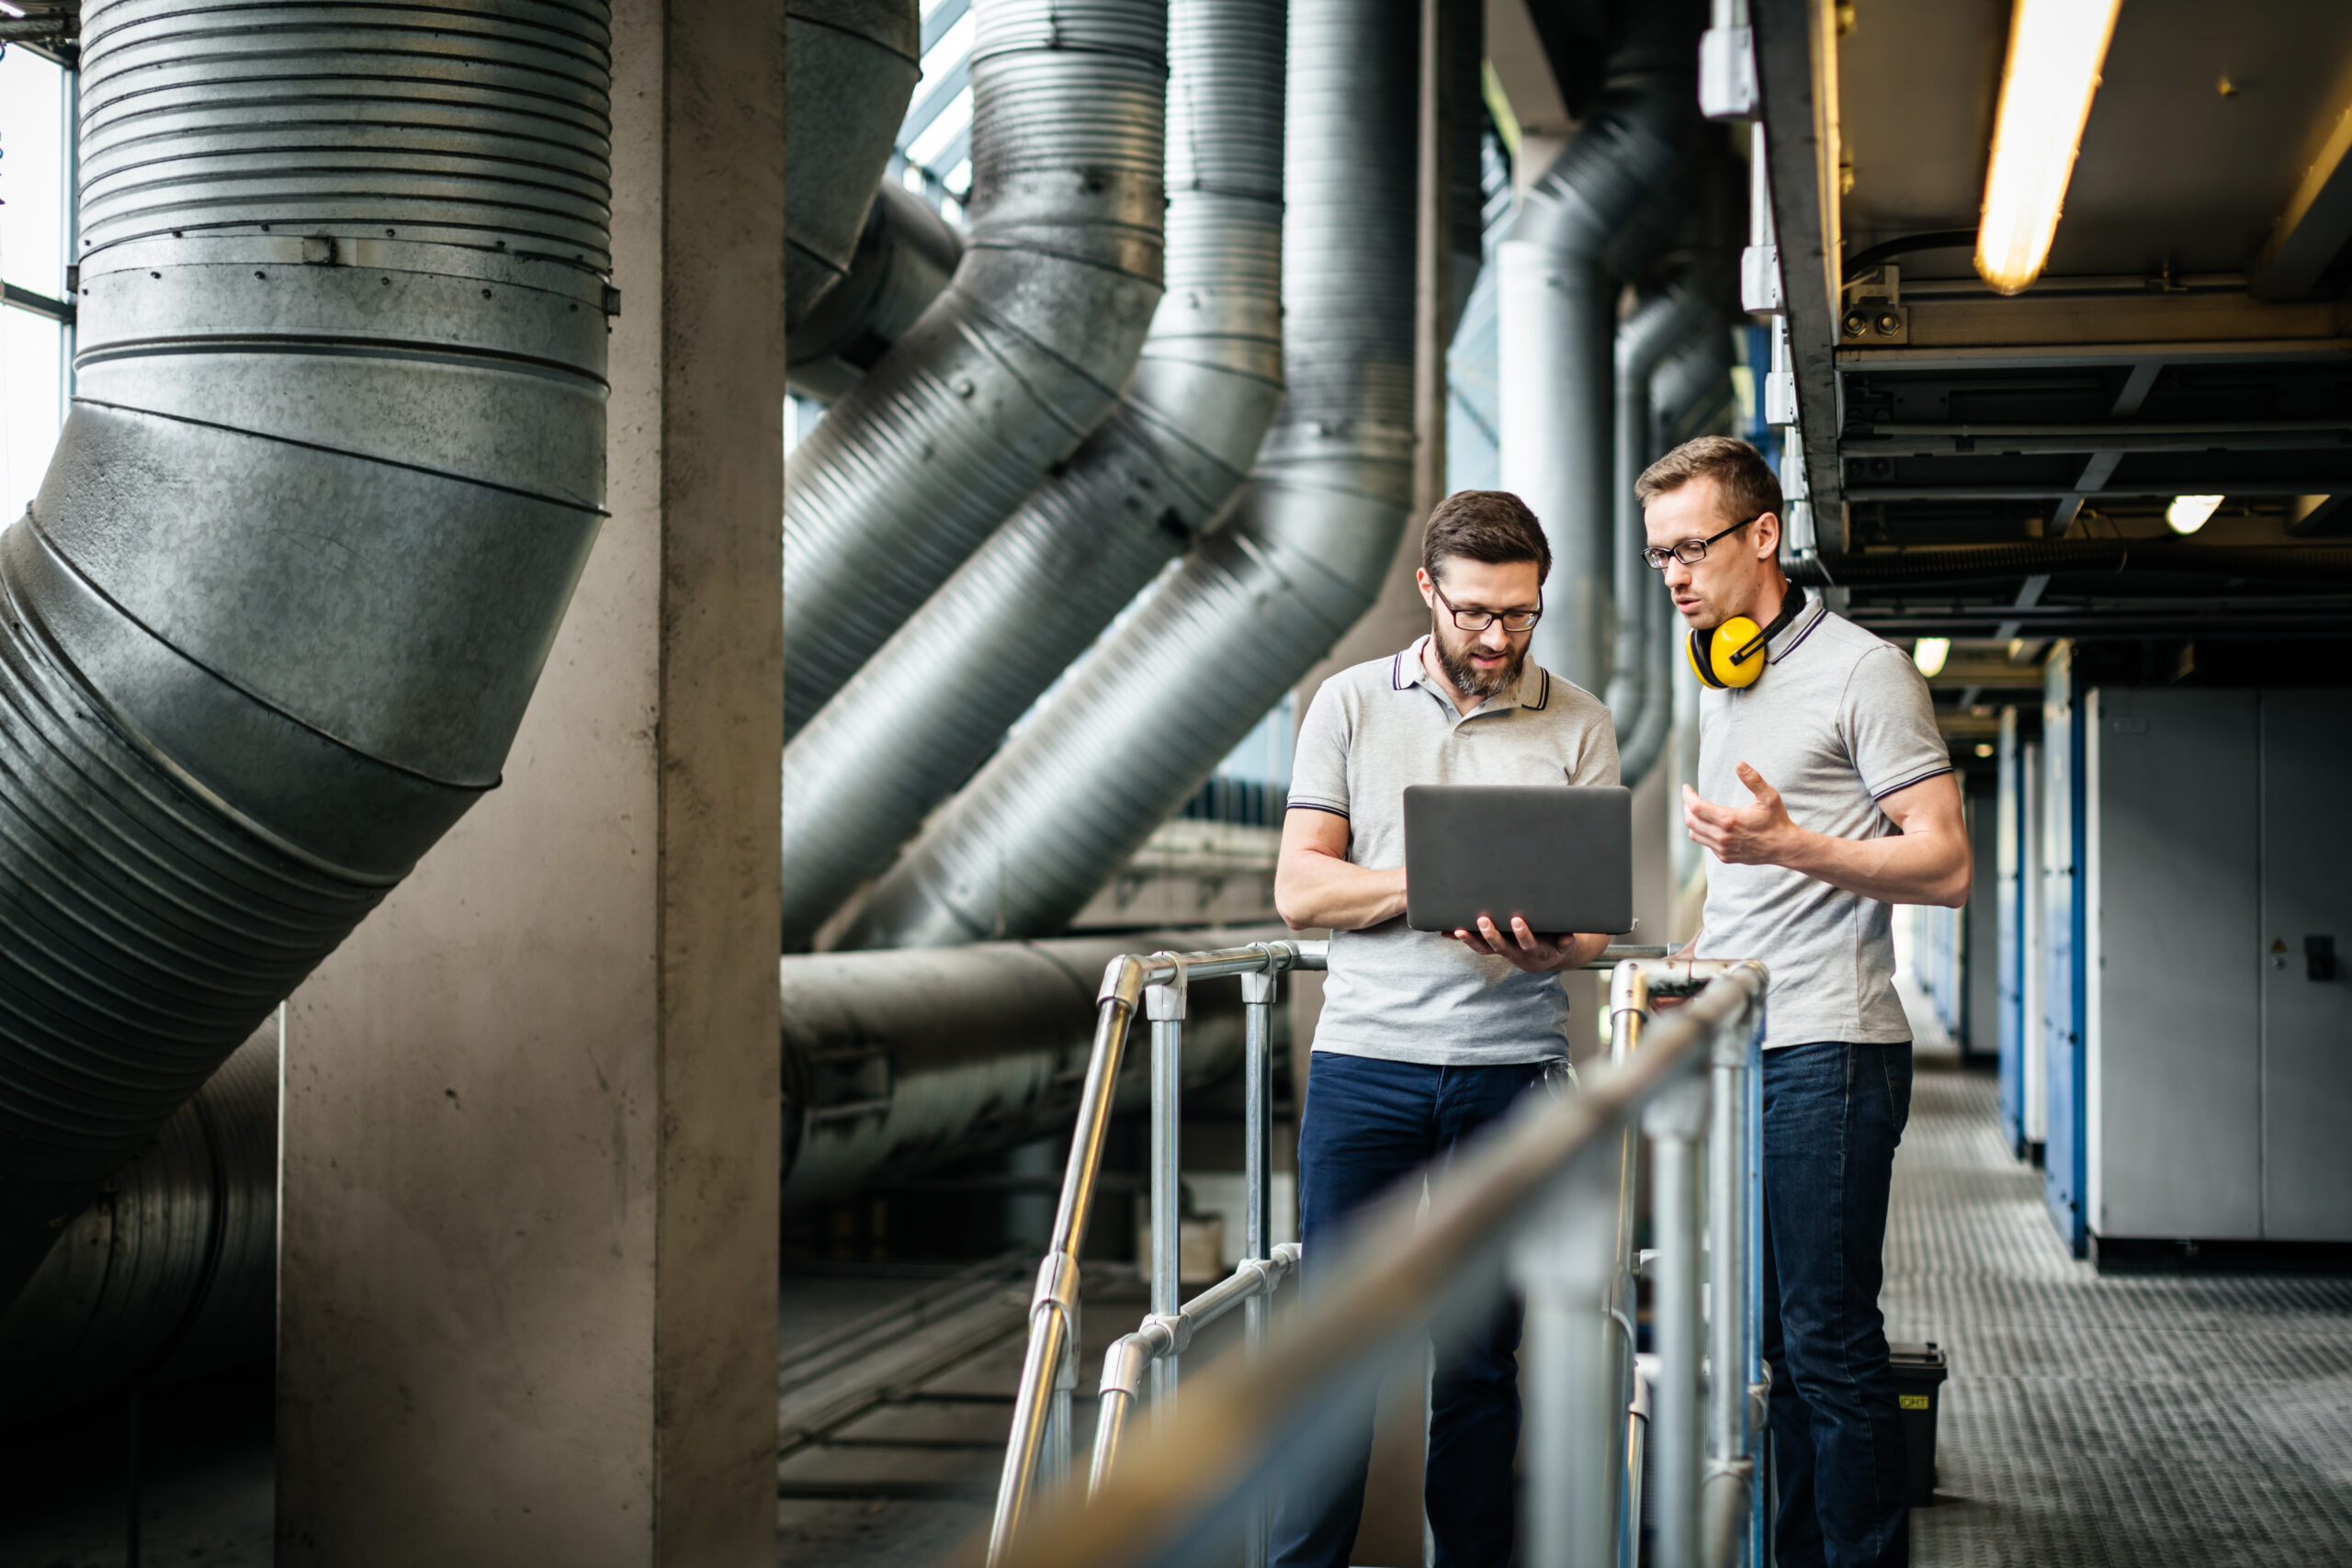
(1408,995)
(1839,721)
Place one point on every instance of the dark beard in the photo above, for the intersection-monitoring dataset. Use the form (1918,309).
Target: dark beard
(1465,675)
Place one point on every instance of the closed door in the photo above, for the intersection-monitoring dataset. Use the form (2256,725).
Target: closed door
(2306,1016)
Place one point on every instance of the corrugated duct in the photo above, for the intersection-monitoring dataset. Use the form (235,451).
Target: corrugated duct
(1021,356)
(849,68)
(172,1272)
(1153,706)
(334,466)
(1557,273)
(1659,324)
(903,261)
(925,711)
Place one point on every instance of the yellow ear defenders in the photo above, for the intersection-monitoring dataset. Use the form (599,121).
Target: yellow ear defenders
(1732,654)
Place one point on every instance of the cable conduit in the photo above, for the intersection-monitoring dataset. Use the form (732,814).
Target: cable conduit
(1019,359)
(925,711)
(1156,705)
(334,464)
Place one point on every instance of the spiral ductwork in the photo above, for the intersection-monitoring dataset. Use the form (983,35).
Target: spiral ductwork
(849,68)
(926,710)
(172,1272)
(333,469)
(1156,704)
(902,262)
(1557,267)
(1018,361)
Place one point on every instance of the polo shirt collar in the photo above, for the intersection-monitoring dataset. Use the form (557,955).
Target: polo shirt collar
(1533,690)
(1800,627)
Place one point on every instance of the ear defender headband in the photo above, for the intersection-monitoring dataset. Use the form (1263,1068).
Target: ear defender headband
(1732,654)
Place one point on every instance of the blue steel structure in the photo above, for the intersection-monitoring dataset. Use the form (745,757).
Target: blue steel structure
(2009,868)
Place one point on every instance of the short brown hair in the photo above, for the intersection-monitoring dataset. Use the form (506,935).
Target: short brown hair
(1491,526)
(1746,482)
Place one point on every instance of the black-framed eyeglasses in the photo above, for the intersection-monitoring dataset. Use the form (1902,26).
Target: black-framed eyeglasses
(1515,622)
(1690,552)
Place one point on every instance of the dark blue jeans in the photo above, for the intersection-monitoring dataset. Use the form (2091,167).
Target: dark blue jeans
(1367,1125)
(1833,1114)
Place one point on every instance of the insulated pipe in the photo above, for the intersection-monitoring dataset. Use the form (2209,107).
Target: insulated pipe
(172,1272)
(1021,356)
(849,68)
(333,465)
(1162,699)
(926,712)
(904,259)
(1558,299)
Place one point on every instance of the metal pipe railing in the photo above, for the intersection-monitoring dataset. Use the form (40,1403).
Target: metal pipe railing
(1538,1204)
(1159,983)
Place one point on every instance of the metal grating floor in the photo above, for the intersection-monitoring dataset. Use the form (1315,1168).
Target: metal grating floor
(2098,1420)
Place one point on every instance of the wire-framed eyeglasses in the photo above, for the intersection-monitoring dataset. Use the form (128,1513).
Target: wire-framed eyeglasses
(1515,622)
(1690,552)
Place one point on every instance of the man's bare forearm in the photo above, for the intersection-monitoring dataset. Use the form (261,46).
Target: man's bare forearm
(1908,868)
(1313,890)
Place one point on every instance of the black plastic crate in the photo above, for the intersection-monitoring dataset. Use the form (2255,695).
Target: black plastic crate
(1919,1373)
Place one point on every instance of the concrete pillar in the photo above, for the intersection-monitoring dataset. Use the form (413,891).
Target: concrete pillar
(529,1256)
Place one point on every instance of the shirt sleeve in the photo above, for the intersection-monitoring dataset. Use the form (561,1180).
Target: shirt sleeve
(1319,768)
(1597,757)
(1890,723)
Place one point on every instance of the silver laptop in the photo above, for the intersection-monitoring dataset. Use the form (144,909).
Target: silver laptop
(1560,856)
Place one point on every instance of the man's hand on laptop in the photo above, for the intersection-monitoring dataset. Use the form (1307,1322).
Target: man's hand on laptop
(1525,949)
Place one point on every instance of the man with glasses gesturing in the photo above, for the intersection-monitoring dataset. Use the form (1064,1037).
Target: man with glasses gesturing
(1851,809)
(1426,1037)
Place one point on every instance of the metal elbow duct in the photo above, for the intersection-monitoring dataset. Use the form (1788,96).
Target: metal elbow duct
(1691,393)
(1021,356)
(925,711)
(332,471)
(173,1272)
(849,68)
(1557,295)
(894,1062)
(1160,701)
(903,261)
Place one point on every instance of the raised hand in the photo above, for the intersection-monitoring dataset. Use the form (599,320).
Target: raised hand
(1755,834)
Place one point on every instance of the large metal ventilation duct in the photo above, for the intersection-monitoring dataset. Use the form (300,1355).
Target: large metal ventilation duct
(1017,361)
(925,711)
(1156,704)
(333,469)
(902,262)
(849,68)
(1657,326)
(892,1063)
(1557,268)
(173,1272)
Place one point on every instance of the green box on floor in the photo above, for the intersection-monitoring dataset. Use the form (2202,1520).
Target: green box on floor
(1920,1373)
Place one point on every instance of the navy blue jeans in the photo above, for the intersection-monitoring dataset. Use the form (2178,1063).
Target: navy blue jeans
(1367,1125)
(1833,1114)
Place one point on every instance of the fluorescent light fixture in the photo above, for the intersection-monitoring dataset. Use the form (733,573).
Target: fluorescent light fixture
(2055,49)
(8,10)
(1929,654)
(1983,748)
(2187,513)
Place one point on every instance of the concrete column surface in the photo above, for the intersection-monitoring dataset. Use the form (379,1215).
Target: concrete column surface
(530,1139)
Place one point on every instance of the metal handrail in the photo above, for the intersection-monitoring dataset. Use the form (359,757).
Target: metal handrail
(1535,1203)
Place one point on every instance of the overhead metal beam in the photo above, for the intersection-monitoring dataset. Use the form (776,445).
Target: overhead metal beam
(1796,68)
(2317,223)
(2039,325)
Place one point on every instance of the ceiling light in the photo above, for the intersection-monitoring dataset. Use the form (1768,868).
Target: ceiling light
(1983,748)
(2187,513)
(10,10)
(1929,654)
(2055,50)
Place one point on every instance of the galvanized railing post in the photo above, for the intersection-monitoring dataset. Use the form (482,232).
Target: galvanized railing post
(1759,1506)
(1564,1262)
(1675,1122)
(1258,1147)
(1729,1263)
(1165,1004)
(1629,1010)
